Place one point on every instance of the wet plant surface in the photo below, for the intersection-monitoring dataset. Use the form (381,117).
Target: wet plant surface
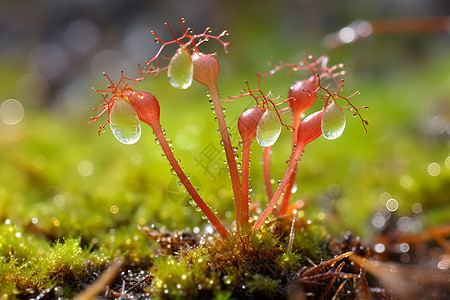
(75,221)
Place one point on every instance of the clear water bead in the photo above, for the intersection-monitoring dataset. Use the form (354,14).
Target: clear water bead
(333,121)
(181,69)
(269,129)
(124,122)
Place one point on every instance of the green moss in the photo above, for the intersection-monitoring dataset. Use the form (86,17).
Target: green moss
(36,264)
(263,285)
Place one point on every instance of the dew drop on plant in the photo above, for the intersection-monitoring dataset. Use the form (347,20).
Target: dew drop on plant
(181,69)
(333,121)
(124,122)
(226,279)
(269,129)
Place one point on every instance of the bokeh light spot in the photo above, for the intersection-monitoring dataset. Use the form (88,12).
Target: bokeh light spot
(347,35)
(392,204)
(114,209)
(85,168)
(379,248)
(11,112)
(406,181)
(434,169)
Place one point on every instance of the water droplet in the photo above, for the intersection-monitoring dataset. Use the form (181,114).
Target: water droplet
(181,69)
(269,129)
(226,279)
(333,121)
(124,122)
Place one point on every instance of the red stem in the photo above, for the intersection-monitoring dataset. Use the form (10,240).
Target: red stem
(267,179)
(287,176)
(229,153)
(187,184)
(245,177)
(288,192)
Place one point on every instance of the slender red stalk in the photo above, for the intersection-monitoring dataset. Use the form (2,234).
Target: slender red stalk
(206,72)
(187,184)
(309,130)
(245,178)
(301,97)
(247,126)
(267,179)
(229,153)
(147,108)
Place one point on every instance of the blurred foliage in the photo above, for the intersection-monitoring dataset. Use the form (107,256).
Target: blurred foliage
(67,195)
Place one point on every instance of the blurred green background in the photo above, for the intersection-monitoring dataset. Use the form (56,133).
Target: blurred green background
(59,179)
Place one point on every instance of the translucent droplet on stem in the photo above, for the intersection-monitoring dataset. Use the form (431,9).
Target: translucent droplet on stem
(124,122)
(269,129)
(181,69)
(333,121)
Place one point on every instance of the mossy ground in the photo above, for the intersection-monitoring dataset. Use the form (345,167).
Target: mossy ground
(71,202)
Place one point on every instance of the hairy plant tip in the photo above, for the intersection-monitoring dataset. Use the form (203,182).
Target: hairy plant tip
(248,122)
(206,68)
(146,106)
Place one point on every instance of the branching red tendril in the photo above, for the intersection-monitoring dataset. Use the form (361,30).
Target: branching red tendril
(315,66)
(185,40)
(318,68)
(337,95)
(115,90)
(262,100)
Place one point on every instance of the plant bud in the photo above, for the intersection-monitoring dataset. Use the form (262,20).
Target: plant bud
(248,122)
(310,128)
(146,106)
(302,96)
(206,68)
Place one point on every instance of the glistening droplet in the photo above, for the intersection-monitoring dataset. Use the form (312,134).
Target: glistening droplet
(181,69)
(333,121)
(124,122)
(269,129)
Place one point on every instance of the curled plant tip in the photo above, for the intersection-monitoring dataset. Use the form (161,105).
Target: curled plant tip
(333,121)
(206,68)
(146,106)
(248,122)
(124,122)
(180,69)
(269,129)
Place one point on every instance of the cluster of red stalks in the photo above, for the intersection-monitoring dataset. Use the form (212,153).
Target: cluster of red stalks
(302,95)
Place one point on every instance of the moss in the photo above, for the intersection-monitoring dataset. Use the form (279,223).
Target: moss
(245,264)
(32,266)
